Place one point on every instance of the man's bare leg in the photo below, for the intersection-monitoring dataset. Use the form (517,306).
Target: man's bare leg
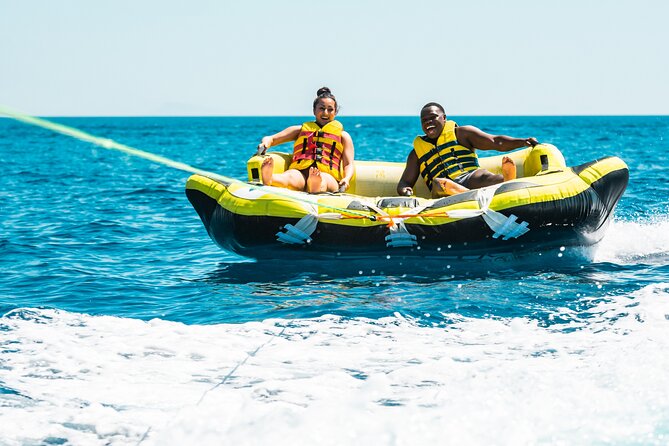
(443,187)
(508,169)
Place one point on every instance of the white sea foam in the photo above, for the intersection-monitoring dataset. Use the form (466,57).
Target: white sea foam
(635,242)
(107,380)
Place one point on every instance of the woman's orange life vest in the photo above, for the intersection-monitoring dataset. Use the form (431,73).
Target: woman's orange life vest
(319,146)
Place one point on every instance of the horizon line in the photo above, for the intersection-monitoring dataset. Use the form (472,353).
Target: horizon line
(349,116)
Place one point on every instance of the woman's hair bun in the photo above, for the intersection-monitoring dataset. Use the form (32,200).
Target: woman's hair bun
(325,93)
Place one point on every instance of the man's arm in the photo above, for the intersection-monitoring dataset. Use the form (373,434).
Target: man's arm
(474,138)
(409,176)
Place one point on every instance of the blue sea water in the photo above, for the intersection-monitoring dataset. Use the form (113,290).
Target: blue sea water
(122,323)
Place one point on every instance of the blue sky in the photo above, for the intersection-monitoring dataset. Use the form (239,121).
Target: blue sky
(251,57)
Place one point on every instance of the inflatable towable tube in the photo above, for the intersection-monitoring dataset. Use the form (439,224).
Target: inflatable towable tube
(548,205)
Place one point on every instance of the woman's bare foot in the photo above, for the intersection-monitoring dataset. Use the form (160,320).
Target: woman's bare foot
(267,171)
(508,169)
(443,187)
(314,181)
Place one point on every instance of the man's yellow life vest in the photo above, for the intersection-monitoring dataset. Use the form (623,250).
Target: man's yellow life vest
(446,159)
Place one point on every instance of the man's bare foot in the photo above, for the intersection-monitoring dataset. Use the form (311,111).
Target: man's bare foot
(443,187)
(267,171)
(508,169)
(314,181)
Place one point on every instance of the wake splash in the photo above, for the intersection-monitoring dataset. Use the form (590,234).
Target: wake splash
(601,378)
(628,242)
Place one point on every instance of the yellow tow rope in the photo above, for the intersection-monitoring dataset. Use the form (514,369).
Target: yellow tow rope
(113,145)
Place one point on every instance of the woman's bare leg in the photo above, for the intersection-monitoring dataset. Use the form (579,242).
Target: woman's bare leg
(267,171)
(321,182)
(290,179)
(315,181)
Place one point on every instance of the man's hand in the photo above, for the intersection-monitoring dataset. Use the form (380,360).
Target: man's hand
(406,191)
(531,142)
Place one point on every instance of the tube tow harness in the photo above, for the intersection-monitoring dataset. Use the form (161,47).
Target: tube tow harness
(399,236)
(300,233)
(502,226)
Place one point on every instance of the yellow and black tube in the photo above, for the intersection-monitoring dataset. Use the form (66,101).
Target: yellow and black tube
(562,206)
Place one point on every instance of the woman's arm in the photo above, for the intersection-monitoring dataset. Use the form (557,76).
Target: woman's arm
(347,159)
(289,134)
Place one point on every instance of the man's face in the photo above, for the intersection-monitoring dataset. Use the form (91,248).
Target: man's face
(432,120)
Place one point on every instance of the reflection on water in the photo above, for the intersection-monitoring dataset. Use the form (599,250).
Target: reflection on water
(430,291)
(552,288)
(426,270)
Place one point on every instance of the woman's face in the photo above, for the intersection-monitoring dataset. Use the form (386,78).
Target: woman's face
(325,111)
